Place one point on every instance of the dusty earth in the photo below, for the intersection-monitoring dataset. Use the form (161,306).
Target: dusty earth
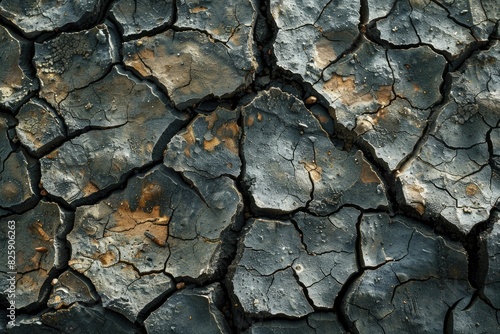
(278,166)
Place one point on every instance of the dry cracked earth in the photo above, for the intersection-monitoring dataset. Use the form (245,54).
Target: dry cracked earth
(251,166)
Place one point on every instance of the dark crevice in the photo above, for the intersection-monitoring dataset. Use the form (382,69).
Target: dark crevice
(339,305)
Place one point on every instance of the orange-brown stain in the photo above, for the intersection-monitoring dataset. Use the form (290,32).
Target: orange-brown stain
(210,145)
(324,53)
(471,189)
(190,139)
(90,188)
(259,117)
(108,259)
(250,120)
(124,219)
(198,9)
(313,169)
(367,174)
(229,133)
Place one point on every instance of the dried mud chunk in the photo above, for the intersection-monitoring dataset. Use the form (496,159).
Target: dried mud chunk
(315,323)
(17,182)
(417,75)
(330,256)
(209,145)
(38,127)
(412,22)
(451,178)
(476,318)
(40,247)
(232,26)
(311,35)
(291,162)
(34,17)
(359,83)
(73,60)
(272,253)
(157,223)
(86,320)
(70,288)
(491,248)
(16,80)
(454,184)
(413,288)
(261,279)
(391,134)
(5,146)
(138,16)
(190,311)
(132,116)
(192,60)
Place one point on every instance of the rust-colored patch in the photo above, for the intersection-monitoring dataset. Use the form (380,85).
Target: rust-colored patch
(198,9)
(52,155)
(344,88)
(210,145)
(139,59)
(384,95)
(324,53)
(108,259)
(311,99)
(313,169)
(149,192)
(190,139)
(90,188)
(39,229)
(211,119)
(259,117)
(413,194)
(124,219)
(155,239)
(367,174)
(323,119)
(363,125)
(250,120)
(229,133)
(471,189)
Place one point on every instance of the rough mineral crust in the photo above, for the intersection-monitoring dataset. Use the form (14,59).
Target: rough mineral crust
(384,96)
(40,247)
(39,127)
(409,284)
(190,311)
(158,227)
(128,115)
(491,250)
(451,178)
(448,26)
(34,17)
(73,60)
(192,59)
(209,146)
(213,58)
(315,323)
(138,16)
(16,80)
(69,288)
(17,182)
(291,163)
(279,263)
(78,318)
(476,317)
(312,34)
